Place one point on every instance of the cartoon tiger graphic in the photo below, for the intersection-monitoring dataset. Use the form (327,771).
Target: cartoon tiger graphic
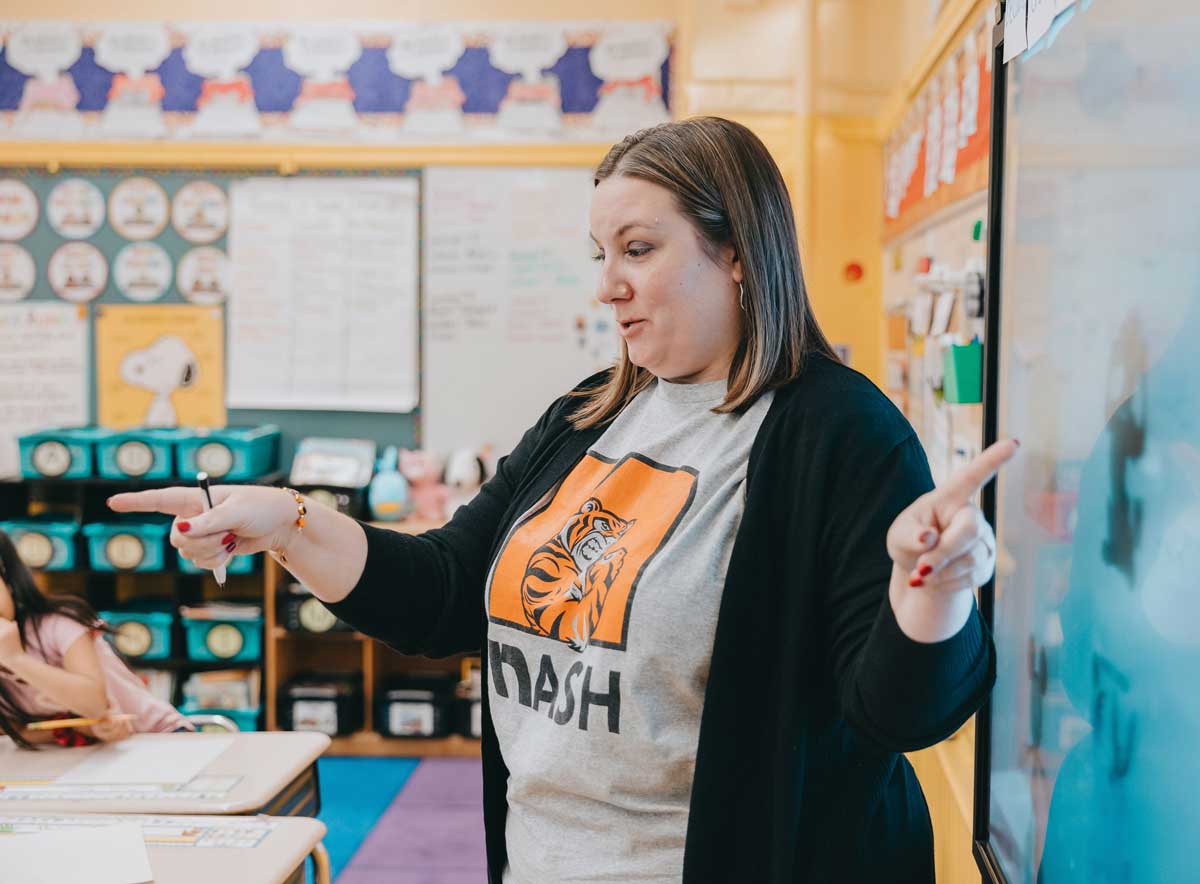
(568,578)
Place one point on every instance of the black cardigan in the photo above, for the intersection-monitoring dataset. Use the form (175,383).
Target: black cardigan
(813,688)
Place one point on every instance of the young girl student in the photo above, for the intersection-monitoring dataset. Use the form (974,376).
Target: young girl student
(54,663)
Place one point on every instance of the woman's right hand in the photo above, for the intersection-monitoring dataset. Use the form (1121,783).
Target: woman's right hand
(244,519)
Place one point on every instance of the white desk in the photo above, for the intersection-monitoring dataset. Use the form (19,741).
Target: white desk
(273,773)
(205,850)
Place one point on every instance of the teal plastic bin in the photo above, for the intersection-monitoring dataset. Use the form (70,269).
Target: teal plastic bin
(245,719)
(44,543)
(127,546)
(140,635)
(236,454)
(223,640)
(236,565)
(139,454)
(962,369)
(68,453)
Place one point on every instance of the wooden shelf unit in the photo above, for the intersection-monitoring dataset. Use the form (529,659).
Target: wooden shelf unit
(287,654)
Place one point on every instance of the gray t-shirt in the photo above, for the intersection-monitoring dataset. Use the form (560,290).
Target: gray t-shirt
(602,607)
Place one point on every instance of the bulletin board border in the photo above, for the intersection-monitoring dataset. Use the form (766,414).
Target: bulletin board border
(53,156)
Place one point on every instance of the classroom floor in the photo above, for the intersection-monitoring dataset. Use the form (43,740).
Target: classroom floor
(402,820)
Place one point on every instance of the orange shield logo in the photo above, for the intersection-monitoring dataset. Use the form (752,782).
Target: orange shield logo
(570,570)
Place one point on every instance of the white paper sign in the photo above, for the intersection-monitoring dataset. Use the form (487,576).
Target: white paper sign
(142,271)
(509,302)
(44,48)
(321,53)
(18,210)
(75,208)
(1041,16)
(323,306)
(1015,42)
(204,276)
(77,271)
(526,48)
(423,51)
(132,48)
(18,273)
(219,51)
(43,372)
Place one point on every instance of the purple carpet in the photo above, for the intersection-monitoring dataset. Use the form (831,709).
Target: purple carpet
(431,834)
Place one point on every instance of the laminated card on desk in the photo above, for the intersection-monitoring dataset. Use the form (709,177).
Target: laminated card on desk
(101,855)
(148,758)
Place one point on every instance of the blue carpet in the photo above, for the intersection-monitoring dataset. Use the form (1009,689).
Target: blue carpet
(354,794)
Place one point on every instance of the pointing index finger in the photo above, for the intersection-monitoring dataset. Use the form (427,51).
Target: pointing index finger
(177,501)
(966,483)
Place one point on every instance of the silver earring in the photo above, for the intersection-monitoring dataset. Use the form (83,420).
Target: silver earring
(742,296)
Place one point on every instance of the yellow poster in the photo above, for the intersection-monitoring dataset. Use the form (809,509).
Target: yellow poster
(160,365)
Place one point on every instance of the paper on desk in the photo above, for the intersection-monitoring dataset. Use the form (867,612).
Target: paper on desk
(149,758)
(99,855)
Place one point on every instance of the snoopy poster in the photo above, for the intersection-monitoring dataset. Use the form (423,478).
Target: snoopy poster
(160,365)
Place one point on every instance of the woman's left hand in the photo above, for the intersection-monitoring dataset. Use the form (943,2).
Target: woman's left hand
(942,542)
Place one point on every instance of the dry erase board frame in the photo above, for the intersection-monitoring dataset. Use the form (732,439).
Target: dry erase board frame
(396,428)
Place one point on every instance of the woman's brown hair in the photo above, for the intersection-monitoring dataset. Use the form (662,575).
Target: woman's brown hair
(726,183)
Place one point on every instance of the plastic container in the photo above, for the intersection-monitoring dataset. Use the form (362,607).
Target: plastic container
(67,453)
(301,611)
(235,454)
(139,454)
(418,705)
(330,704)
(44,543)
(140,635)
(127,546)
(962,373)
(245,719)
(222,639)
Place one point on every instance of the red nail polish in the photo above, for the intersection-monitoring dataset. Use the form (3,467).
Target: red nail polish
(1017,442)
(915,581)
(228,538)
(925,570)
(230,547)
(185,527)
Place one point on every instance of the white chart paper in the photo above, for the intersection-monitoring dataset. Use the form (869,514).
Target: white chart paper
(43,372)
(510,319)
(322,312)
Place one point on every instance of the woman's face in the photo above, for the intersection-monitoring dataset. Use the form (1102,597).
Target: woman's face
(676,308)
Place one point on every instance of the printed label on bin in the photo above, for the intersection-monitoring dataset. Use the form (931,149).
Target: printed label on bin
(315,617)
(36,550)
(133,639)
(224,641)
(125,551)
(410,719)
(214,458)
(51,459)
(134,458)
(315,715)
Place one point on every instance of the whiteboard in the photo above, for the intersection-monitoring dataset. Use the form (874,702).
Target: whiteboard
(322,312)
(510,319)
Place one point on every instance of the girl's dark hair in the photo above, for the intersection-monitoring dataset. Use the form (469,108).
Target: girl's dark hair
(727,185)
(30,605)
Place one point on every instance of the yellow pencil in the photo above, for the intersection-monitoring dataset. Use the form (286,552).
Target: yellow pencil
(53,723)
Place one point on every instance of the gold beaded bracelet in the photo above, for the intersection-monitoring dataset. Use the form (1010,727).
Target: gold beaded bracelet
(301,512)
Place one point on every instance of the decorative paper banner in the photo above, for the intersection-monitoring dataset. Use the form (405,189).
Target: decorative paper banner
(160,365)
(333,82)
(939,153)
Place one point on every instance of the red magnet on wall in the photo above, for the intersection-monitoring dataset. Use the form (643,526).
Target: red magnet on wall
(853,271)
